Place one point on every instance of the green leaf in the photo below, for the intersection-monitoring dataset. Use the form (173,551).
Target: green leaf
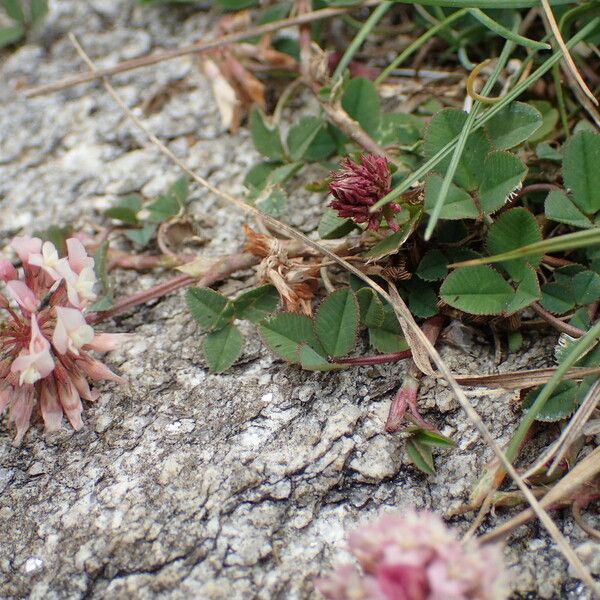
(513,125)
(336,322)
(332,227)
(257,304)
(266,138)
(233,5)
(581,170)
(430,438)
(57,235)
(10,35)
(586,287)
(179,191)
(433,266)
(558,207)
(272,201)
(126,210)
(443,128)
(312,361)
(513,229)
(503,174)
(399,129)
(39,9)
(310,139)
(212,310)
(361,102)
(550,118)
(422,299)
(371,307)
(168,205)
(258,174)
(392,243)
(106,299)
(284,333)
(528,291)
(477,290)
(14,10)
(388,337)
(223,347)
(557,299)
(143,235)
(458,204)
(421,455)
(515,341)
(562,403)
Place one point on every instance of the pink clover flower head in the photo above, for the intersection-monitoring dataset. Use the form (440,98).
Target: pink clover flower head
(414,556)
(357,186)
(46,340)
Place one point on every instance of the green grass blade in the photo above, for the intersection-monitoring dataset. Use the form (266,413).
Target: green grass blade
(414,46)
(483,3)
(360,37)
(507,33)
(569,241)
(512,95)
(462,138)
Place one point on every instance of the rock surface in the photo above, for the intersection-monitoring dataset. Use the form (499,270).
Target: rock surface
(190,485)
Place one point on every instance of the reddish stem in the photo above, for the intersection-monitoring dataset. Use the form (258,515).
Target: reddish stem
(380,359)
(557,323)
(227,266)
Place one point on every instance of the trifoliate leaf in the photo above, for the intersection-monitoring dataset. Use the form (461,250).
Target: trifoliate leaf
(284,333)
(586,287)
(361,102)
(336,322)
(557,299)
(257,304)
(433,266)
(388,338)
(559,207)
(478,290)
(445,126)
(503,174)
(332,227)
(513,229)
(223,347)
(371,308)
(581,172)
(563,402)
(457,205)
(265,136)
(212,310)
(513,125)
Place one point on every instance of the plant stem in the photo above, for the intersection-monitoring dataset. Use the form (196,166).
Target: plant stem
(557,323)
(380,359)
(231,264)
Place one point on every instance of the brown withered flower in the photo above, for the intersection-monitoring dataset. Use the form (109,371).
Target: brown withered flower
(295,280)
(357,186)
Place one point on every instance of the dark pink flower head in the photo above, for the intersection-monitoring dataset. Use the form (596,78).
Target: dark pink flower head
(46,340)
(359,185)
(414,556)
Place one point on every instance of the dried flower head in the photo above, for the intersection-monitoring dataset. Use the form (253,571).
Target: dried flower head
(45,342)
(414,556)
(359,185)
(295,280)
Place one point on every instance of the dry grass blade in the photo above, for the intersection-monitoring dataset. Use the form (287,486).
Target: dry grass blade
(568,58)
(400,308)
(152,59)
(518,380)
(581,473)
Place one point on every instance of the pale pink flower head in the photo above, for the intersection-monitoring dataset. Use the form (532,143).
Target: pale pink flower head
(357,186)
(414,556)
(7,270)
(45,341)
(26,246)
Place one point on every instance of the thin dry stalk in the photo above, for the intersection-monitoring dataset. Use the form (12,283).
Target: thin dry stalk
(567,55)
(583,472)
(569,433)
(410,328)
(152,59)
